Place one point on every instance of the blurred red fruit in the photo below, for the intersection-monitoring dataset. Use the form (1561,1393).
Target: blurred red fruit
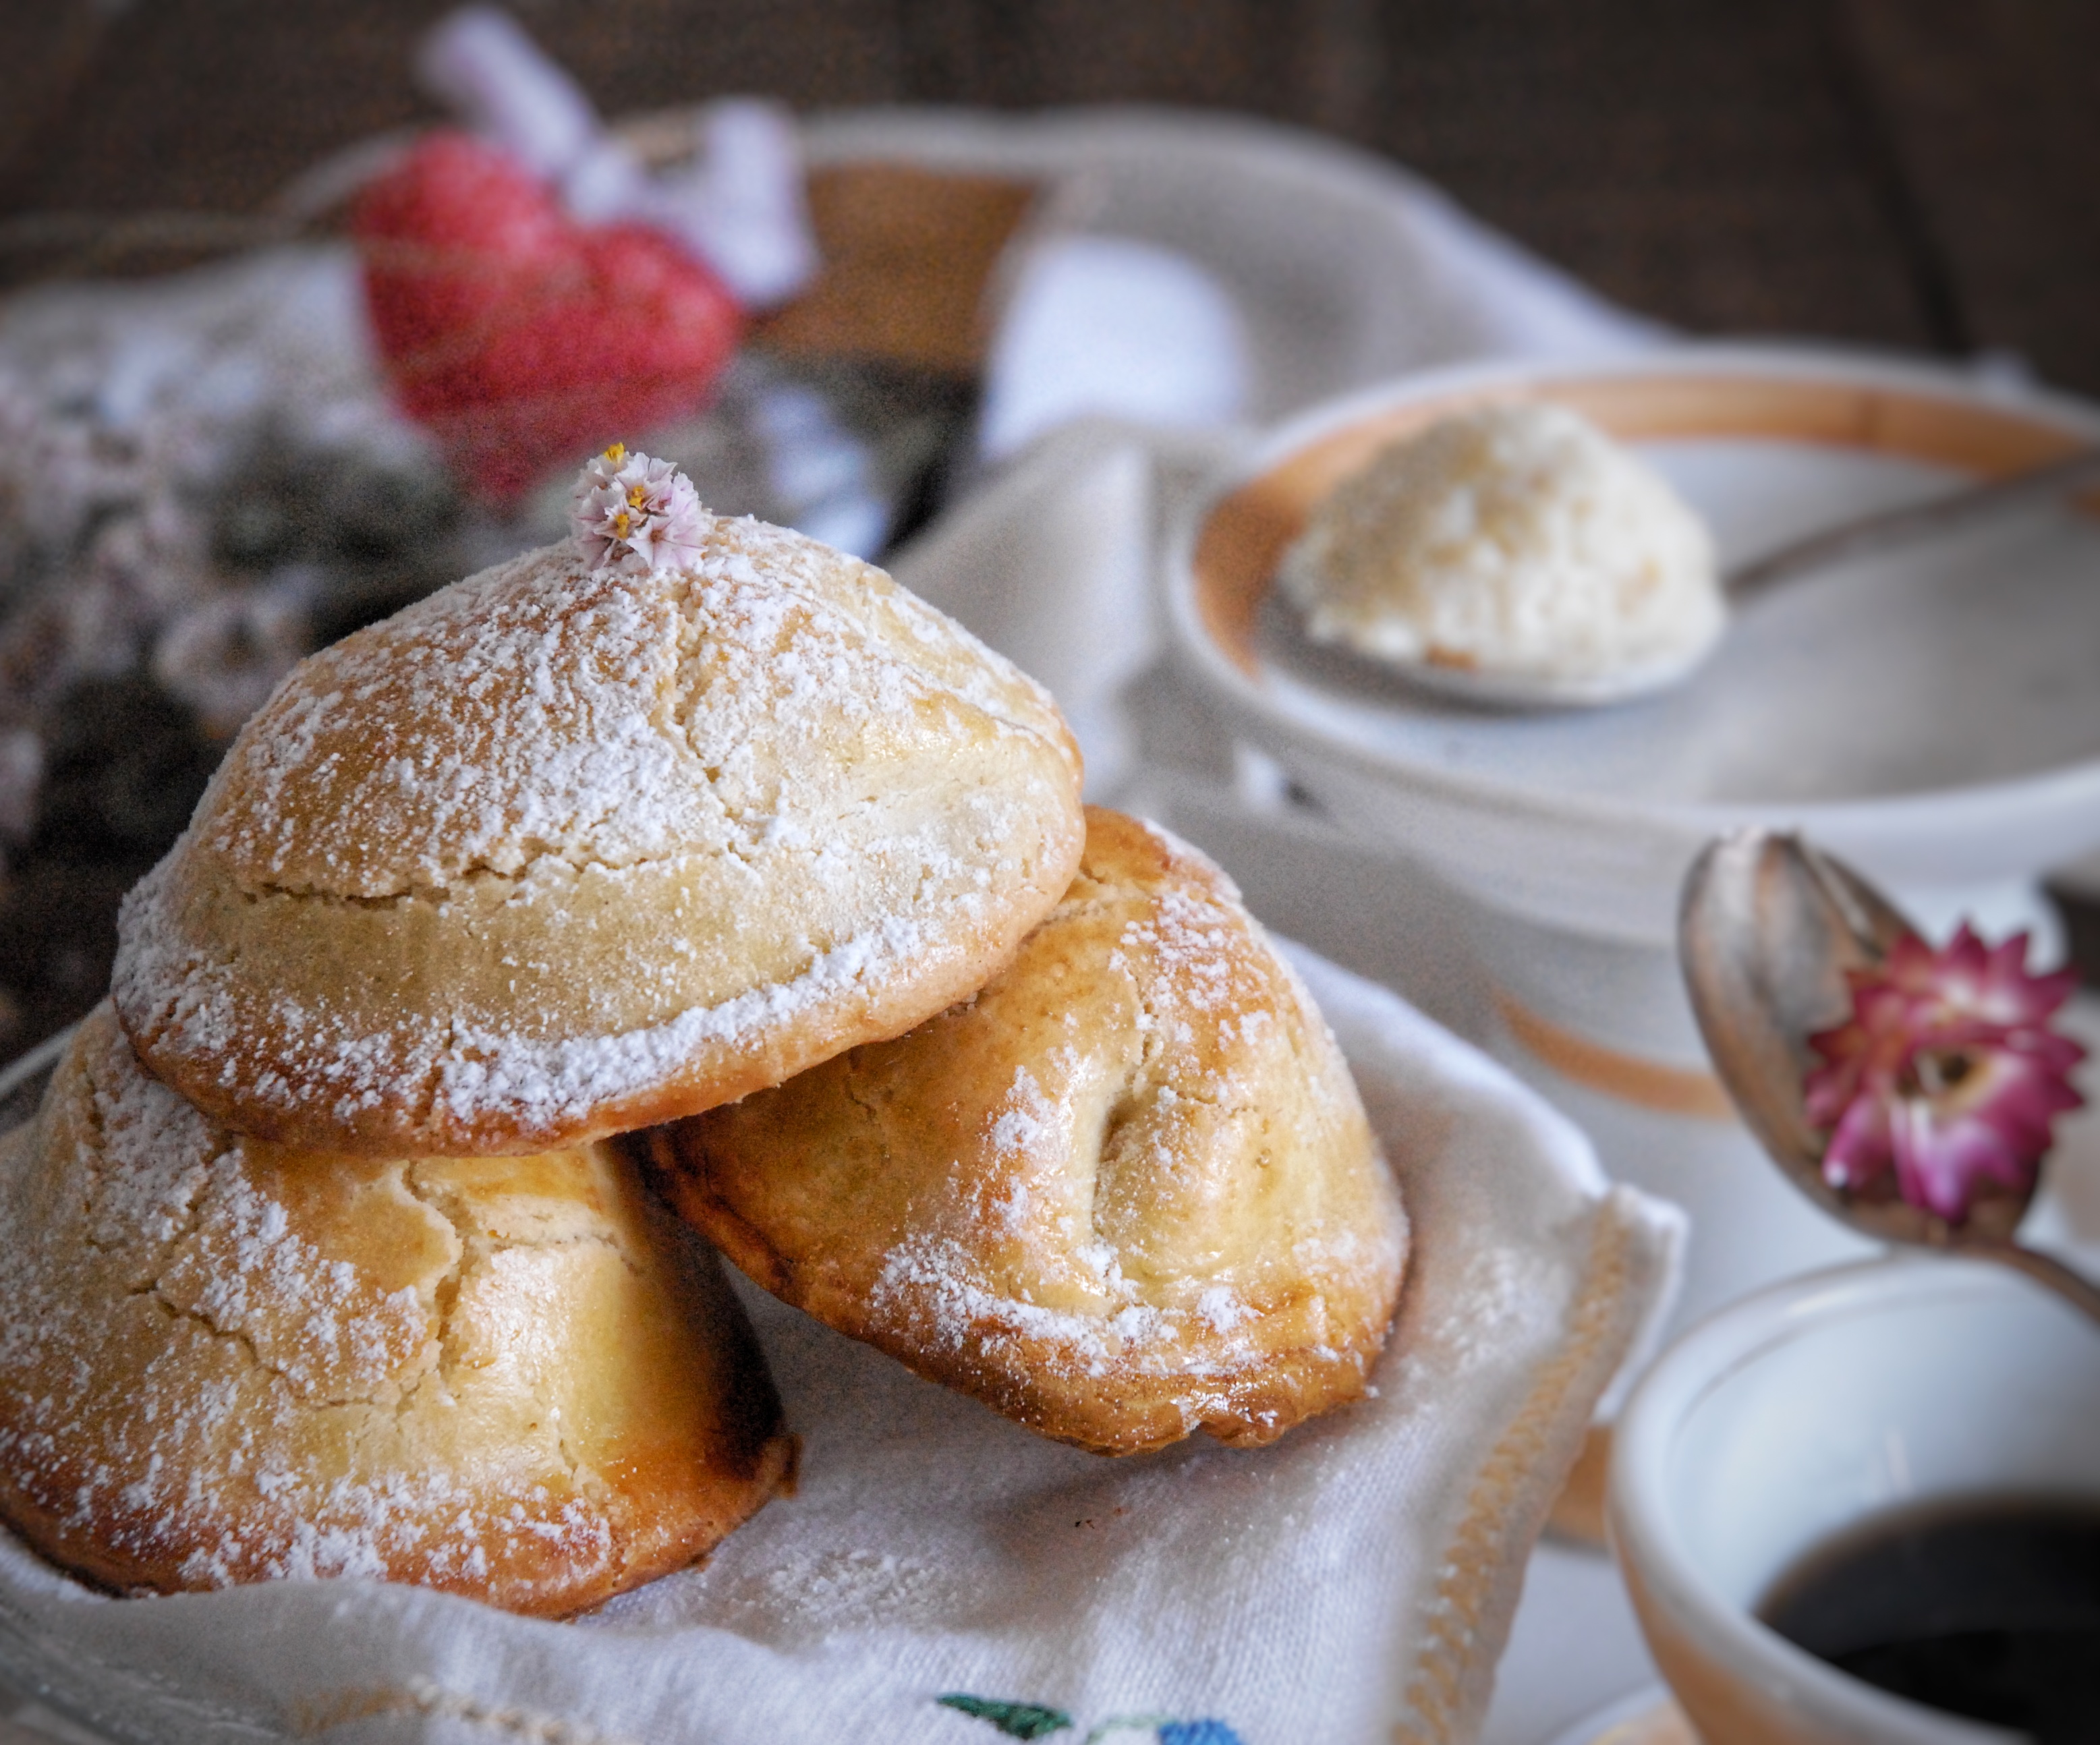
(521,338)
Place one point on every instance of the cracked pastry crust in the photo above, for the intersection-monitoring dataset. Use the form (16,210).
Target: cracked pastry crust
(516,1378)
(558,852)
(1126,1192)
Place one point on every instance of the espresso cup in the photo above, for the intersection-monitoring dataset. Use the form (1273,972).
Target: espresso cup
(1794,1416)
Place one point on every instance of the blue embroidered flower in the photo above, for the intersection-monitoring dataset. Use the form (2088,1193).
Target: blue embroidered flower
(1196,1733)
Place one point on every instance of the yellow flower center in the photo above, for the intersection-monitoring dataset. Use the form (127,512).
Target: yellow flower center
(621,522)
(617,453)
(635,498)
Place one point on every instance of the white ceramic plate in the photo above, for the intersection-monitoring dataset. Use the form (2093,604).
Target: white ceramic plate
(1935,716)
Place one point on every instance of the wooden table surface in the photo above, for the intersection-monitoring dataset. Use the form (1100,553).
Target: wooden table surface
(1913,172)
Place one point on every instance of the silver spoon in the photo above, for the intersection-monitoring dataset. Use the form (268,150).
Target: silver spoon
(1768,927)
(1888,531)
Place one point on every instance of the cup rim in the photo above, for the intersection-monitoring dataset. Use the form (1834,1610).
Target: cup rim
(1649,1543)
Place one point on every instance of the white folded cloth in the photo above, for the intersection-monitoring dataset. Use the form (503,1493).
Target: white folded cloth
(738,205)
(1110,327)
(1353,1582)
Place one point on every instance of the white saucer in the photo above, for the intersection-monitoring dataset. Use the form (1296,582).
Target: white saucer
(1933,718)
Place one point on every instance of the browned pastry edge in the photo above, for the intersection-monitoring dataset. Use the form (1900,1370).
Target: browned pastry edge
(656,1534)
(1251,1409)
(647,1492)
(224,1088)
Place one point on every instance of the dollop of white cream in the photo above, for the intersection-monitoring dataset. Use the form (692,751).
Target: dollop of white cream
(1513,539)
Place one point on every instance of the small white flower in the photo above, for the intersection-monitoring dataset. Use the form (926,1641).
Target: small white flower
(633,514)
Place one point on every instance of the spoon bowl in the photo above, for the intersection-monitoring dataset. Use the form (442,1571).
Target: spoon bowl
(1769,926)
(1891,530)
(1487,688)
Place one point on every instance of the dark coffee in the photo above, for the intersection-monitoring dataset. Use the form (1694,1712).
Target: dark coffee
(1988,1608)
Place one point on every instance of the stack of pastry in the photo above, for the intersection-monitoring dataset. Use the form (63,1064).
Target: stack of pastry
(325,1258)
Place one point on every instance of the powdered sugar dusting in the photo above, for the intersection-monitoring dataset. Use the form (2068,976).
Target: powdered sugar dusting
(1026,1120)
(187,1380)
(510,717)
(940,1283)
(538,709)
(543,1086)
(549,1083)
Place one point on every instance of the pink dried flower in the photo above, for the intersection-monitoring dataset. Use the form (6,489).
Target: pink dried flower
(1947,1072)
(634,514)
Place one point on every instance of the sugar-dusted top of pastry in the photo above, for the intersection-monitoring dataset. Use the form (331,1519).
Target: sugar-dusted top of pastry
(509,1377)
(1512,539)
(580,843)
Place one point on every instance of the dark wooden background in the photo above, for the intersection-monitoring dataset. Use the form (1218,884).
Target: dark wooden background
(1916,173)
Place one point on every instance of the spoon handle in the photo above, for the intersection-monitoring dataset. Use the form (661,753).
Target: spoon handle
(2075,1288)
(1901,526)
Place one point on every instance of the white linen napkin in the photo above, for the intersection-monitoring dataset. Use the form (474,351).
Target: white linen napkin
(1353,1582)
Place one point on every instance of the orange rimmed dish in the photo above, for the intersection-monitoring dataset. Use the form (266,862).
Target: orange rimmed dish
(1927,726)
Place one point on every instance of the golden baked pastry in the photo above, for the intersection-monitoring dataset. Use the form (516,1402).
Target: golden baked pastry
(1126,1192)
(564,849)
(517,1378)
